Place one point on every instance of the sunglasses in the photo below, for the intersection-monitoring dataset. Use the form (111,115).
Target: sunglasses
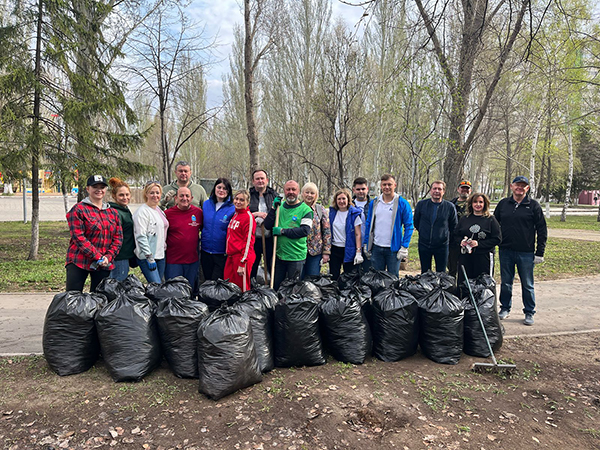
(148,183)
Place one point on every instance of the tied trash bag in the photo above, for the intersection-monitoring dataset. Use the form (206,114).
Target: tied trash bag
(296,332)
(178,320)
(421,285)
(69,340)
(485,298)
(349,279)
(441,317)
(377,280)
(259,304)
(178,287)
(132,284)
(110,288)
(303,288)
(215,293)
(345,329)
(395,324)
(129,337)
(325,283)
(226,356)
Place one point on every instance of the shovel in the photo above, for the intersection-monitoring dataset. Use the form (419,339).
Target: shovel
(485,367)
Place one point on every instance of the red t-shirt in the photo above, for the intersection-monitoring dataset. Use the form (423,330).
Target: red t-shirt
(240,234)
(183,234)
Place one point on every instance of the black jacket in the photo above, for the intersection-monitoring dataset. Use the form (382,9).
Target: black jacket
(437,233)
(520,223)
(269,196)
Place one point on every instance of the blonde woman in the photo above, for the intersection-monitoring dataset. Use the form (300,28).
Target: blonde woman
(150,230)
(319,238)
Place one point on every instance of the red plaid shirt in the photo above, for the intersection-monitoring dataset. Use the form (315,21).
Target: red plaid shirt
(94,233)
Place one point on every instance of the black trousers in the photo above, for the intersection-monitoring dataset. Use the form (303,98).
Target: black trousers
(453,254)
(336,261)
(76,277)
(475,264)
(258,250)
(213,265)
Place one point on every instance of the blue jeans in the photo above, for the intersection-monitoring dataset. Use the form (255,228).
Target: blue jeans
(121,270)
(440,254)
(153,276)
(286,269)
(312,266)
(524,262)
(189,271)
(382,258)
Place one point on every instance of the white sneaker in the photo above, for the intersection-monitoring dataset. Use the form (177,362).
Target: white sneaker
(503,314)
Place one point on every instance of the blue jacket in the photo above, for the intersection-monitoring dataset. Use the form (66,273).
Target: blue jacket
(403,218)
(214,230)
(353,213)
(435,231)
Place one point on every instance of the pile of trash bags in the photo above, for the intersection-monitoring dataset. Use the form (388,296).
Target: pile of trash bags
(227,339)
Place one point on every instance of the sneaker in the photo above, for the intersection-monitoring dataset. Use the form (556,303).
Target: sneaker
(503,314)
(528,319)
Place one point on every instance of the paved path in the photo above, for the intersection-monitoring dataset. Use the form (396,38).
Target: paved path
(564,306)
(579,235)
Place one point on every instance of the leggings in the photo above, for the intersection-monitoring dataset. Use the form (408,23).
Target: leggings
(76,277)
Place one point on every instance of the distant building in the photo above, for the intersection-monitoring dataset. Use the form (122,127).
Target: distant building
(589,198)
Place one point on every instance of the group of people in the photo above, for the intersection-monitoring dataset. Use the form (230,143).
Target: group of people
(180,229)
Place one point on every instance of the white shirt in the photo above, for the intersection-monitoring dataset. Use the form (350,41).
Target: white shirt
(364,207)
(338,228)
(382,235)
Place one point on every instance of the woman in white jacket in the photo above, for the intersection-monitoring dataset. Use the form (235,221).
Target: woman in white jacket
(150,230)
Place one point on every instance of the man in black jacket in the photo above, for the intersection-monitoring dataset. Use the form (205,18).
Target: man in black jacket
(435,219)
(261,199)
(521,219)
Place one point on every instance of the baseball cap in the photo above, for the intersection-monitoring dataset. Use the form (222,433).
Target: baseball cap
(521,179)
(96,179)
(464,183)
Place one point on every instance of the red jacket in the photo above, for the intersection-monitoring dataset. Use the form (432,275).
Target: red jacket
(240,234)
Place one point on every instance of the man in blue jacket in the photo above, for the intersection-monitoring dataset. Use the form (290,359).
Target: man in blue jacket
(383,237)
(435,219)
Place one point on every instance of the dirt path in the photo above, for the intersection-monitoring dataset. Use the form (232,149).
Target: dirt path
(579,235)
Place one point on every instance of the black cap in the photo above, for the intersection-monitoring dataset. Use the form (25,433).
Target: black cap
(521,179)
(96,179)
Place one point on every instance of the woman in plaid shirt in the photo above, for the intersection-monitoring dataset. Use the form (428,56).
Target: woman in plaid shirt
(96,237)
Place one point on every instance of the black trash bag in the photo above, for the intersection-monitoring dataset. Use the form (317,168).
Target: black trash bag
(178,287)
(226,356)
(362,294)
(325,283)
(418,286)
(178,320)
(70,341)
(215,293)
(348,279)
(345,329)
(485,297)
(296,332)
(441,320)
(259,280)
(132,284)
(259,305)
(129,337)
(110,288)
(395,324)
(377,280)
(303,288)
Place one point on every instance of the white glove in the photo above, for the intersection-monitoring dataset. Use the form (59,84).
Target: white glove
(402,253)
(358,259)
(538,259)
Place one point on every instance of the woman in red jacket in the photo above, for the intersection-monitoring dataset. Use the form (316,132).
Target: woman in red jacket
(240,242)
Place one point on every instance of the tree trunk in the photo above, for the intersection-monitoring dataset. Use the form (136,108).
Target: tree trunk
(563,215)
(249,89)
(536,133)
(36,142)
(508,168)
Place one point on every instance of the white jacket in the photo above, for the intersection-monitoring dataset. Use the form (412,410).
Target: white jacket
(150,232)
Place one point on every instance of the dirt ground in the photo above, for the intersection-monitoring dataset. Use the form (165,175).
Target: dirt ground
(551,401)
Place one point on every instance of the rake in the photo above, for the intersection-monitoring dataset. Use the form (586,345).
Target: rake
(486,367)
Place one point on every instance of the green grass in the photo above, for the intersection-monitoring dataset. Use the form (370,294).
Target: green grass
(567,258)
(575,222)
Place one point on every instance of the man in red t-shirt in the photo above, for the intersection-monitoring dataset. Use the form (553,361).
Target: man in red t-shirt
(183,235)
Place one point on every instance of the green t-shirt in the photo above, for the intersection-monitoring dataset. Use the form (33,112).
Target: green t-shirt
(289,249)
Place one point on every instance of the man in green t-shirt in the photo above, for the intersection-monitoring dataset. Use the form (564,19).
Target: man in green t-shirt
(295,221)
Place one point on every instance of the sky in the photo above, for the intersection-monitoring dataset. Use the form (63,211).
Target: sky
(219,18)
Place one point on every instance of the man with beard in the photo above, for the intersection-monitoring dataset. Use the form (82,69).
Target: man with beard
(295,221)
(435,219)
(360,192)
(460,204)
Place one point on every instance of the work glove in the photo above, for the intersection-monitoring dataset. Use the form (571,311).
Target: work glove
(366,252)
(538,259)
(95,264)
(151,263)
(277,202)
(402,253)
(277,231)
(358,259)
